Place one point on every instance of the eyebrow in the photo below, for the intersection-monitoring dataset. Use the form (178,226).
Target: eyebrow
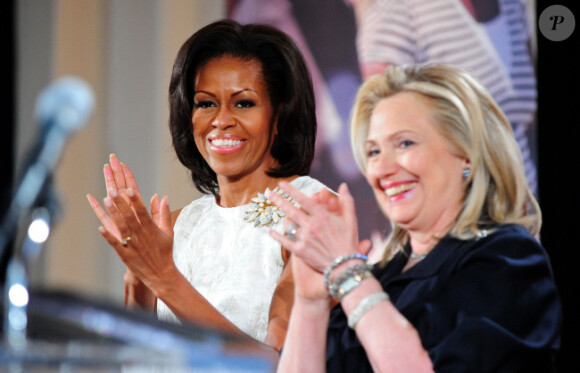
(370,142)
(390,137)
(236,93)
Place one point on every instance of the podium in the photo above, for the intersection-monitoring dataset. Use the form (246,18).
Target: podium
(66,333)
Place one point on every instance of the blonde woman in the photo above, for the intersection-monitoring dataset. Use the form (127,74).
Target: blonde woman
(464,285)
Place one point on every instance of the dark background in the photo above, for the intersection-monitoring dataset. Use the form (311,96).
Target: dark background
(558,156)
(558,165)
(7,108)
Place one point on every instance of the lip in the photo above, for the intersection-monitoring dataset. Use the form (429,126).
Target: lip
(225,144)
(397,189)
(394,184)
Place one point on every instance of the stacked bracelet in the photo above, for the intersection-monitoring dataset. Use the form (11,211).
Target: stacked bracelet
(338,261)
(349,280)
(364,306)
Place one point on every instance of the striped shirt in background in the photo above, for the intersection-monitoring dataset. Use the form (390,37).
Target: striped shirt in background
(400,32)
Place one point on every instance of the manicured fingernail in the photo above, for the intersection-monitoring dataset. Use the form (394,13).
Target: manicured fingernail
(130,192)
(107,201)
(112,193)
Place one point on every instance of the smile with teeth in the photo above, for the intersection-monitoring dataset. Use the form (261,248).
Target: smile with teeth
(399,189)
(226,142)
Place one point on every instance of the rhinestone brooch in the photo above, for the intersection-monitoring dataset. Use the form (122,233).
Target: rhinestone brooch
(263,212)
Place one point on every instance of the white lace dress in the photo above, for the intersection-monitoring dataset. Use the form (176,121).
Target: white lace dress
(233,264)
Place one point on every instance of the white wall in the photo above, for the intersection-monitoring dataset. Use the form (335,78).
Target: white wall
(124,49)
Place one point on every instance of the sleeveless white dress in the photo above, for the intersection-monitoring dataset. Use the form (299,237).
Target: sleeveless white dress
(230,262)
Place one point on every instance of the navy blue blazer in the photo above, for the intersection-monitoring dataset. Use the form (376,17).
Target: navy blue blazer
(483,305)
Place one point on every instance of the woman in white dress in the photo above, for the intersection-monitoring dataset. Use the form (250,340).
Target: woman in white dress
(242,119)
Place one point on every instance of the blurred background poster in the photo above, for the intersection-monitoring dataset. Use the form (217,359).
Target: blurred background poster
(346,41)
(325,31)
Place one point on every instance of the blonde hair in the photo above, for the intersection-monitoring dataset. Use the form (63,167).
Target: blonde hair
(475,128)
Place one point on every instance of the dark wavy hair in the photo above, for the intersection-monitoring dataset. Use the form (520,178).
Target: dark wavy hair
(289,89)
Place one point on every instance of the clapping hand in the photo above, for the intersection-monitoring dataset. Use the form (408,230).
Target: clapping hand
(142,241)
(325,227)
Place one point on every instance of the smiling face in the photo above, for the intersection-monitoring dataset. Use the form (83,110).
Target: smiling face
(231,118)
(416,177)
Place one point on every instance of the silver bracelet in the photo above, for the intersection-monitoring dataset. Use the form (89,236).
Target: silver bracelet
(337,262)
(349,279)
(364,306)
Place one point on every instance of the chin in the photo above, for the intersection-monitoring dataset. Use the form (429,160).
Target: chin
(226,168)
(401,218)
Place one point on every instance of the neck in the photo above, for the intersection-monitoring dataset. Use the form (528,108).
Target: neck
(424,240)
(422,244)
(240,191)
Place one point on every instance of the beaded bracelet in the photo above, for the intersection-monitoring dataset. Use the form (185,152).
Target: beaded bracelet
(349,272)
(337,262)
(350,283)
(356,274)
(364,306)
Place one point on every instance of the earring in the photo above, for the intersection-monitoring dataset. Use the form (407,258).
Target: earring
(466,173)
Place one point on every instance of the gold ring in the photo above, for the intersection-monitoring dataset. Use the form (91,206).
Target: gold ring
(126,240)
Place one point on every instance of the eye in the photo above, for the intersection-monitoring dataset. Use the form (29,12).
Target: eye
(203,104)
(245,104)
(405,143)
(372,152)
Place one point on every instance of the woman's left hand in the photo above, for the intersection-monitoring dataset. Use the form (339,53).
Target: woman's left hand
(148,254)
(321,235)
(144,242)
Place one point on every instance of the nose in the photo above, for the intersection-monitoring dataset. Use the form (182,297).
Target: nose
(223,118)
(382,165)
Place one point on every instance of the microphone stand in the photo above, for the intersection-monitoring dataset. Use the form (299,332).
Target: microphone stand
(30,203)
(33,224)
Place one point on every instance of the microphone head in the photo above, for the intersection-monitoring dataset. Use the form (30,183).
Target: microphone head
(67,103)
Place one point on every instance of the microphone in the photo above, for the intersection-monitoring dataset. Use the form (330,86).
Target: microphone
(62,109)
(67,103)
